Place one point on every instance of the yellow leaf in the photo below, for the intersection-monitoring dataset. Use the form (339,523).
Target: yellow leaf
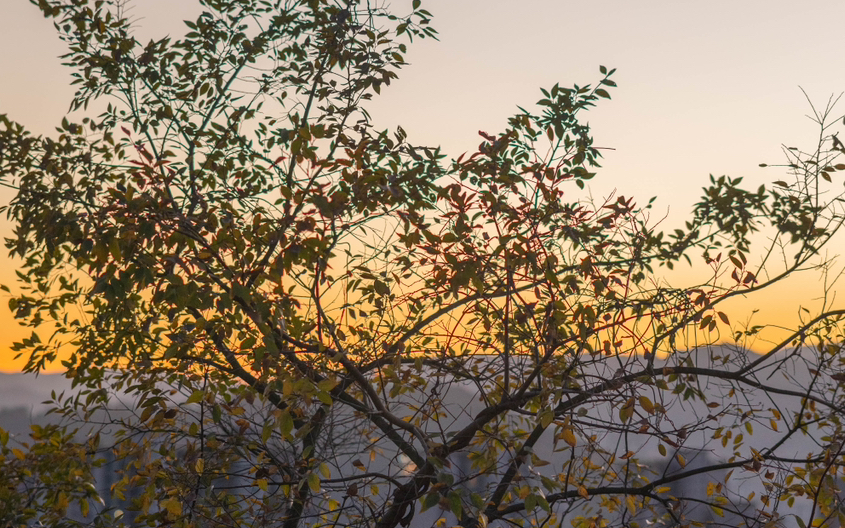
(200,465)
(627,410)
(62,501)
(262,484)
(18,454)
(646,404)
(172,506)
(325,470)
(482,520)
(569,437)
(583,492)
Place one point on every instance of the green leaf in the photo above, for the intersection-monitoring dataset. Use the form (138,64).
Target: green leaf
(285,424)
(430,500)
(530,502)
(455,505)
(313,482)
(195,396)
(546,418)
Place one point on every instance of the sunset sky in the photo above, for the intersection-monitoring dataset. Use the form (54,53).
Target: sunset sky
(704,88)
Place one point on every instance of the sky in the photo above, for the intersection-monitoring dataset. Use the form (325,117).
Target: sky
(703,88)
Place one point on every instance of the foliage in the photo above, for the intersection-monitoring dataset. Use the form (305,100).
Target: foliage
(283,316)
(40,480)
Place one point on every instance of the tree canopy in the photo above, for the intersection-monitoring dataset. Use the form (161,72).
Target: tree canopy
(277,314)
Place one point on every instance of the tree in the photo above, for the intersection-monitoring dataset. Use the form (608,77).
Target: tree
(278,315)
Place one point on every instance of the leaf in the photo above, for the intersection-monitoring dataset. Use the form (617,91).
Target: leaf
(546,418)
(569,437)
(646,404)
(582,491)
(455,505)
(627,410)
(285,424)
(381,288)
(173,506)
(325,471)
(313,482)
(430,500)
(195,397)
